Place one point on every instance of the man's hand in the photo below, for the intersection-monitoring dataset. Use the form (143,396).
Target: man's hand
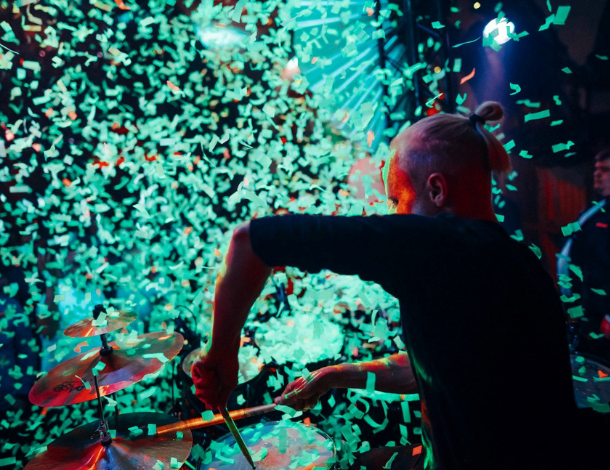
(303,394)
(215,377)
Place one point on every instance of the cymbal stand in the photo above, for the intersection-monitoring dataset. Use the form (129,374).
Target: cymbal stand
(106,349)
(105,438)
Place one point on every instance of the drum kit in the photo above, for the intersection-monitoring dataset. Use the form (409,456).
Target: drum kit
(147,440)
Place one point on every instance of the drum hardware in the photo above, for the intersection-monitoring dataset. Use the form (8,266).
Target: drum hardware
(591,381)
(77,450)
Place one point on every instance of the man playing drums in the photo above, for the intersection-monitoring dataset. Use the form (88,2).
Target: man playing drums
(481,319)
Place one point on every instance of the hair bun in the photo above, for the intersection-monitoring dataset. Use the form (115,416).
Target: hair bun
(490,111)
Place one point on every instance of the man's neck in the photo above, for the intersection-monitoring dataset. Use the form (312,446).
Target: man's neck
(484,212)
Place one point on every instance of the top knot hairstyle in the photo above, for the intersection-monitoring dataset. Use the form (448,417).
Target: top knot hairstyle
(453,145)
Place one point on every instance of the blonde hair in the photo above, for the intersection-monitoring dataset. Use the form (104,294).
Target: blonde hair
(451,144)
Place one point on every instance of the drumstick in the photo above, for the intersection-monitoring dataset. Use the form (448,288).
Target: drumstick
(237,436)
(196,423)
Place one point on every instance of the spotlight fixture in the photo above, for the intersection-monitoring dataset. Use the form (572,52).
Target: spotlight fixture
(499,30)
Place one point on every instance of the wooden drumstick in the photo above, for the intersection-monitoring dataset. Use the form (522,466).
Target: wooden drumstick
(196,423)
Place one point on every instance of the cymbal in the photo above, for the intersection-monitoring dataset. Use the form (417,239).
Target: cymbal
(115,320)
(126,365)
(81,448)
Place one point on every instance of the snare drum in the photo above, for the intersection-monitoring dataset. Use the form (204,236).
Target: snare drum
(249,391)
(591,381)
(275,445)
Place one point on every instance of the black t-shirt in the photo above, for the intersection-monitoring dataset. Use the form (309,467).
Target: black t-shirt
(482,322)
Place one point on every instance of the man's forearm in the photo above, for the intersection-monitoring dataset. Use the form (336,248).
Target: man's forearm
(393,374)
(238,284)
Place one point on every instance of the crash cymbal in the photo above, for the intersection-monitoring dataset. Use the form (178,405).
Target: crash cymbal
(133,447)
(71,381)
(114,320)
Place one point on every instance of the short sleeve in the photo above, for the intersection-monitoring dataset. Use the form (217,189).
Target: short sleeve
(373,248)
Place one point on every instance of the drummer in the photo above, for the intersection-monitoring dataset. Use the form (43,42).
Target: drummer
(482,321)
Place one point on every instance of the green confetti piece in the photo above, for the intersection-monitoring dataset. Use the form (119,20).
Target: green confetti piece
(406,413)
(207,415)
(570,229)
(598,291)
(575,312)
(576,270)
(8,461)
(601,57)
(174,463)
(269,110)
(148,393)
(152,429)
(283,440)
(561,15)
(388,464)
(159,356)
(579,379)
(135,430)
(538,115)
(561,147)
(516,88)
(288,410)
(460,99)
(536,250)
(566,70)
(556,123)
(547,23)
(437,25)
(525,154)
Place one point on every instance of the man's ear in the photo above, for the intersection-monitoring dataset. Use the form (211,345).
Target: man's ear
(438,189)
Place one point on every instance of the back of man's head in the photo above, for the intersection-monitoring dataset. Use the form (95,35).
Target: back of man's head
(453,145)
(443,163)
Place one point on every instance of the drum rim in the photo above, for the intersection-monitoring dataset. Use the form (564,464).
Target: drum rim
(592,358)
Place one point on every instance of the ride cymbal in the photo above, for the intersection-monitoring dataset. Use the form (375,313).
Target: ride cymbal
(70,382)
(131,448)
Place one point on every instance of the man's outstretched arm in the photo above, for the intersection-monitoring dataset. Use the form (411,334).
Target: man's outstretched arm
(240,281)
(392,374)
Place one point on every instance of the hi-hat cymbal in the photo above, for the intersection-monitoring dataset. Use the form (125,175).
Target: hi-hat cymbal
(126,365)
(81,448)
(114,320)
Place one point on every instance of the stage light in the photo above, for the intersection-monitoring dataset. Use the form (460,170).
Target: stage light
(292,63)
(215,37)
(477,5)
(503,28)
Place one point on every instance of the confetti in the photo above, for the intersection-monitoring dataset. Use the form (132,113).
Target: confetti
(467,77)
